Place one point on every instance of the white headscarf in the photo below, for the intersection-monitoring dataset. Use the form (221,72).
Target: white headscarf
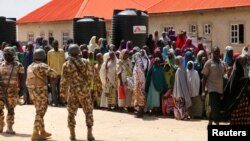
(193,81)
(180,83)
(145,60)
(138,72)
(109,72)
(244,52)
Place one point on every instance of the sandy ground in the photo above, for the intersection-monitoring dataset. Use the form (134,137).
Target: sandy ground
(108,126)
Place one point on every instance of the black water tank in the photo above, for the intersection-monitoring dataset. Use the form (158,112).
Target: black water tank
(87,27)
(7,30)
(129,24)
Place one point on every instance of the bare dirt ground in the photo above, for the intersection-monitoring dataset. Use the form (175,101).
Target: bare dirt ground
(108,126)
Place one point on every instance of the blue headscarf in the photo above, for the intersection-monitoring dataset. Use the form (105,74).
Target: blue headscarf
(103,46)
(227,59)
(165,52)
(189,54)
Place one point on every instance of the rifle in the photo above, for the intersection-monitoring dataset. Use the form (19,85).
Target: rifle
(5,93)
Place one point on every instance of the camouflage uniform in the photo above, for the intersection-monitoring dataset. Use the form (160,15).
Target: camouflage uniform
(37,82)
(12,91)
(79,90)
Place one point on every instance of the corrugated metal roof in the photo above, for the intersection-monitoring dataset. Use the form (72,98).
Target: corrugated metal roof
(104,8)
(167,6)
(55,10)
(59,10)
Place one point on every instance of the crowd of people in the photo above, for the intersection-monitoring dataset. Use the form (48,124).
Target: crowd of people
(167,76)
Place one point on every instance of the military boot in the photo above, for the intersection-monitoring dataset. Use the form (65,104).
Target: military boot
(72,134)
(10,130)
(90,135)
(35,136)
(1,129)
(44,134)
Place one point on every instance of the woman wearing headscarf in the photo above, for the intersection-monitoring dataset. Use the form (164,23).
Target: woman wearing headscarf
(199,63)
(104,46)
(177,52)
(92,44)
(157,54)
(169,72)
(122,45)
(97,84)
(139,84)
(188,45)
(180,40)
(181,92)
(124,72)
(165,52)
(129,45)
(193,81)
(245,50)
(146,61)
(109,80)
(229,60)
(188,56)
(236,101)
(200,48)
(150,42)
(155,85)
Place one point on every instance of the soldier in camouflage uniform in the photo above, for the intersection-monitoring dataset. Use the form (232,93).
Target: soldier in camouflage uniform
(37,82)
(76,80)
(10,70)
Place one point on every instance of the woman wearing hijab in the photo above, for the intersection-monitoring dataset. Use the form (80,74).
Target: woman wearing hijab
(167,98)
(97,84)
(200,48)
(151,43)
(139,85)
(146,61)
(122,45)
(228,57)
(199,63)
(124,72)
(109,80)
(245,50)
(236,101)
(157,54)
(188,45)
(155,85)
(104,46)
(188,56)
(129,45)
(165,52)
(193,81)
(92,44)
(181,92)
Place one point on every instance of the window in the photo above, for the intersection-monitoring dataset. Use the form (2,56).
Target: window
(237,33)
(30,36)
(193,28)
(207,29)
(65,37)
(168,28)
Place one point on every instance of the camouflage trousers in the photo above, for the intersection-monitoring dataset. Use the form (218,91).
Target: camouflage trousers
(73,104)
(40,101)
(12,99)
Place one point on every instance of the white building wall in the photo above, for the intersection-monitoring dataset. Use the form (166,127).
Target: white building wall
(220,20)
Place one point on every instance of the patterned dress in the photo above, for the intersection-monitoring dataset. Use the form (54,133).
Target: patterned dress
(97,84)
